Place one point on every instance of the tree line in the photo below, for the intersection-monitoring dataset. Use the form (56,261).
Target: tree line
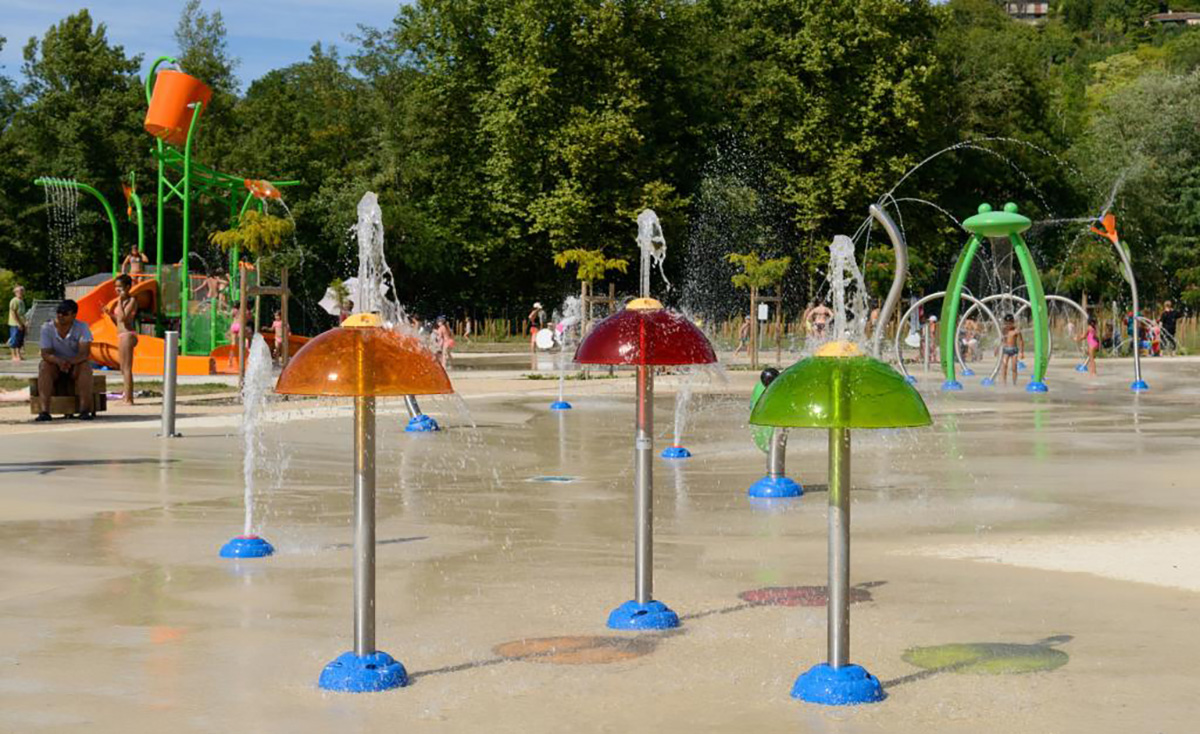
(499,133)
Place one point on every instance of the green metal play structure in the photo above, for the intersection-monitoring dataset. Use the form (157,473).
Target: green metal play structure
(175,102)
(182,178)
(1010,224)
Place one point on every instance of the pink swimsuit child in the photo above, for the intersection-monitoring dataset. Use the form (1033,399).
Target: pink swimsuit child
(1092,341)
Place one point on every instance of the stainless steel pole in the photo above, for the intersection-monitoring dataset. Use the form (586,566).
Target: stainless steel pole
(926,347)
(364,526)
(839,547)
(170,372)
(644,488)
(1133,289)
(839,526)
(1116,327)
(410,402)
(777,453)
(899,277)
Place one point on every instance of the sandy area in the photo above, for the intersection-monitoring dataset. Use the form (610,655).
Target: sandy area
(1166,557)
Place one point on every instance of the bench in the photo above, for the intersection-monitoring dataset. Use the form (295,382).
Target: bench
(67,402)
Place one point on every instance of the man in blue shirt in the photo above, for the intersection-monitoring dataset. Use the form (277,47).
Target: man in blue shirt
(66,347)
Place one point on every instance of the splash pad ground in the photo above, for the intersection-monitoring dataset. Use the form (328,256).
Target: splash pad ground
(1014,532)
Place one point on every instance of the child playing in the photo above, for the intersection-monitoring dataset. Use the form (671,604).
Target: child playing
(213,287)
(278,330)
(237,324)
(743,337)
(1013,344)
(445,341)
(1093,345)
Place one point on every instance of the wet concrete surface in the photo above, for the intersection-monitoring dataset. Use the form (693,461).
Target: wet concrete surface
(1071,517)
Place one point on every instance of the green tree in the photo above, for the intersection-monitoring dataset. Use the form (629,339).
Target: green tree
(1093,269)
(8,281)
(591,265)
(314,122)
(204,49)
(1143,146)
(9,100)
(757,274)
(1010,96)
(257,233)
(14,180)
(525,127)
(736,208)
(1183,53)
(879,267)
(82,119)
(837,90)
(1181,244)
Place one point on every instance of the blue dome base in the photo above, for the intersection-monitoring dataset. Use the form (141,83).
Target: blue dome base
(1139,386)
(774,505)
(1035,386)
(421,424)
(968,372)
(987,382)
(247,546)
(560,405)
(676,452)
(845,686)
(1081,367)
(952,386)
(775,487)
(653,615)
(351,673)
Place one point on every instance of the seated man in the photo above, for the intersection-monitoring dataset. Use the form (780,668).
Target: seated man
(66,346)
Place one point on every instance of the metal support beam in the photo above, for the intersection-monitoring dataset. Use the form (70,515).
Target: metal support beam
(644,488)
(170,362)
(364,526)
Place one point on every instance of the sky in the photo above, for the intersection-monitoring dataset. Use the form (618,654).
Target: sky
(264,34)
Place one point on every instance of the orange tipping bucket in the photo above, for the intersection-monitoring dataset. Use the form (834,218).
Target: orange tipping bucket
(262,189)
(169,115)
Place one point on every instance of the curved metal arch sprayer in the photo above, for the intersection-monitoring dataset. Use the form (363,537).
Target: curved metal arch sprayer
(898,279)
(1109,222)
(977,303)
(1024,306)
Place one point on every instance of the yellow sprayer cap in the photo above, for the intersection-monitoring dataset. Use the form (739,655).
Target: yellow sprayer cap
(839,349)
(360,320)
